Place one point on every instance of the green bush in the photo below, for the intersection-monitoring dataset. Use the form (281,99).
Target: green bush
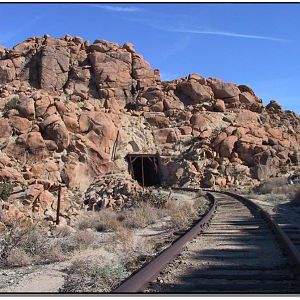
(12,103)
(5,190)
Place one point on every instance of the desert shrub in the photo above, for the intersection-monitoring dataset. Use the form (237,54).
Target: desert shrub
(54,253)
(35,241)
(93,275)
(13,238)
(18,258)
(32,241)
(276,198)
(278,185)
(104,220)
(83,239)
(182,214)
(63,231)
(201,205)
(12,103)
(141,216)
(68,244)
(86,220)
(3,216)
(157,200)
(13,242)
(146,245)
(124,238)
(170,204)
(112,225)
(147,208)
(5,190)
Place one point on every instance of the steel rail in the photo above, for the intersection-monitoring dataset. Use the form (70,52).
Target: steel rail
(140,279)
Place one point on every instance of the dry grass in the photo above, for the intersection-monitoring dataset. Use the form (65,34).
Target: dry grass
(201,205)
(104,220)
(146,246)
(141,216)
(277,185)
(63,231)
(18,258)
(124,238)
(33,243)
(93,275)
(182,214)
(53,254)
(83,239)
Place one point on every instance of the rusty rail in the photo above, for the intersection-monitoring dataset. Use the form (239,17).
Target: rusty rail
(140,279)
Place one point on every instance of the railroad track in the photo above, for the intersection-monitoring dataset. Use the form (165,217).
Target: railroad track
(236,248)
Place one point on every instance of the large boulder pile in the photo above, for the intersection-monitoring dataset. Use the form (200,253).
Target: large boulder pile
(71,111)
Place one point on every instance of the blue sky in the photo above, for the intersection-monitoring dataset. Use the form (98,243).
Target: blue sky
(254,44)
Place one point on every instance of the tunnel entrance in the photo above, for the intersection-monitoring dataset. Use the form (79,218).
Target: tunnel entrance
(145,168)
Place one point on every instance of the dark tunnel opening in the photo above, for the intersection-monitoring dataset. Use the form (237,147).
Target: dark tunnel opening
(145,169)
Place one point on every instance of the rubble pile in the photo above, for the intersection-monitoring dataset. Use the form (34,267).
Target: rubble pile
(110,192)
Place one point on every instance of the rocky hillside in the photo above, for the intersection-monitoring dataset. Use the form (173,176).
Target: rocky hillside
(65,104)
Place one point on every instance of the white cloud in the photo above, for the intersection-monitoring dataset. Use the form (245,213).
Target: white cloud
(230,34)
(117,8)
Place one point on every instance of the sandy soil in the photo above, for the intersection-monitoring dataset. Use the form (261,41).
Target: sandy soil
(50,278)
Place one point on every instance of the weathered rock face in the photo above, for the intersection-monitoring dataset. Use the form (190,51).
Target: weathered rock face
(7,71)
(66,64)
(54,67)
(5,132)
(112,71)
(25,106)
(195,91)
(223,90)
(71,112)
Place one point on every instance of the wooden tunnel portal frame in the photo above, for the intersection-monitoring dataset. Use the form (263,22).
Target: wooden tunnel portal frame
(155,163)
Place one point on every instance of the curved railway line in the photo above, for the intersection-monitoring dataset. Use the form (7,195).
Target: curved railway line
(236,248)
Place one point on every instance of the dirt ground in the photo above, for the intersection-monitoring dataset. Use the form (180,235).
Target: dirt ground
(50,278)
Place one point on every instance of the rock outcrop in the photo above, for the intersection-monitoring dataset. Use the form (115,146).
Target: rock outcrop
(71,111)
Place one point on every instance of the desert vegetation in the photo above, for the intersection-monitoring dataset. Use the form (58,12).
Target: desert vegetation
(24,243)
(11,103)
(125,232)
(5,190)
(93,275)
(147,209)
